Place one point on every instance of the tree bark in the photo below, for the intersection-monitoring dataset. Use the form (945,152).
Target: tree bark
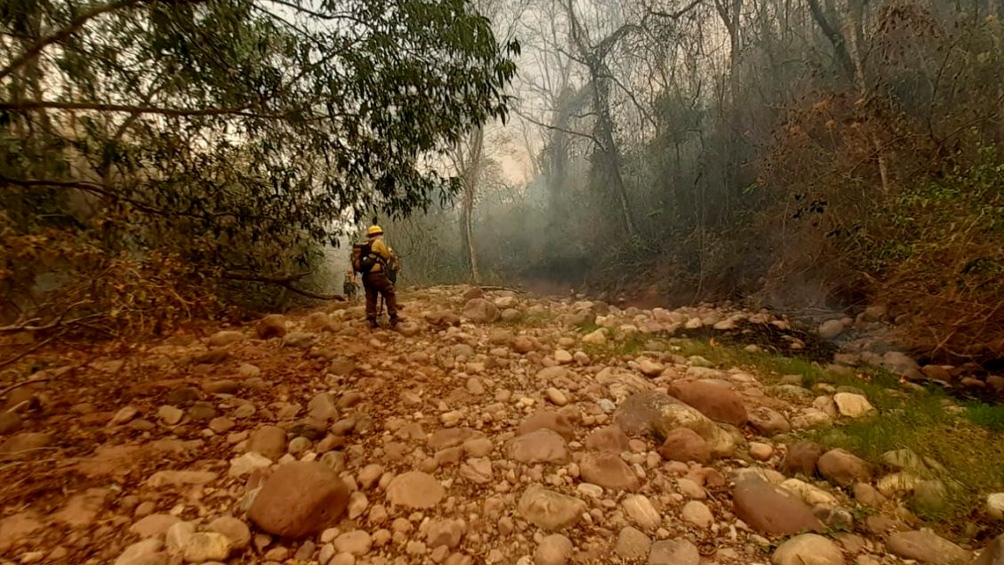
(470,166)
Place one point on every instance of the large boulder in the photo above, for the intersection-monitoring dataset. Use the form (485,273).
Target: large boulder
(299,499)
(808,549)
(715,401)
(993,554)
(843,468)
(927,547)
(769,509)
(658,414)
(481,311)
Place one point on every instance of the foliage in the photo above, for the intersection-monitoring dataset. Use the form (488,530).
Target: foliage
(236,135)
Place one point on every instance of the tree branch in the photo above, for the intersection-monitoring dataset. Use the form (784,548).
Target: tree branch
(285,281)
(556,128)
(72,27)
(679,13)
(127,109)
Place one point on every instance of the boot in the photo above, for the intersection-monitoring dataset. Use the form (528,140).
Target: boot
(373,324)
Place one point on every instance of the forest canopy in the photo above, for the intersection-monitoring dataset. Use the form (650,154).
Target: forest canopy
(187,140)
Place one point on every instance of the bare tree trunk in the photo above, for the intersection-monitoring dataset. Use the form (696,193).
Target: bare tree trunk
(855,10)
(608,145)
(470,172)
(593,57)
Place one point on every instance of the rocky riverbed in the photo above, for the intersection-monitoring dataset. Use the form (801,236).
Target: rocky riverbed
(489,428)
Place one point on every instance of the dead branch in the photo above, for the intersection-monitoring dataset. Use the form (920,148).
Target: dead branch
(26,326)
(285,281)
(28,351)
(21,384)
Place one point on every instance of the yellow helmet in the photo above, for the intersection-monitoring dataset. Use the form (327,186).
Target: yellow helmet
(374,230)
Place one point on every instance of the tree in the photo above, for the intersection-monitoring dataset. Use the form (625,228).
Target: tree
(236,134)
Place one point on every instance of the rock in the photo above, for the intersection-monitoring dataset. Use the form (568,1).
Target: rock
(761,451)
(831,329)
(597,337)
(674,552)
(178,535)
(896,484)
(853,405)
(549,510)
(123,416)
(768,422)
(868,495)
(523,344)
(271,326)
(473,292)
(170,415)
(608,470)
(206,546)
(446,533)
(236,531)
(557,397)
(154,525)
(808,549)
(415,489)
(539,446)
(609,438)
(554,549)
(714,401)
(905,459)
(690,489)
(176,478)
(640,510)
(926,547)
(17,529)
(901,365)
(698,514)
(146,552)
(299,499)
(322,407)
(685,445)
(843,468)
(995,505)
(632,544)
(221,425)
(356,542)
(993,554)
(269,441)
(803,457)
(650,368)
(769,509)
(659,414)
(481,311)
(810,494)
(82,509)
(225,337)
(929,497)
(247,463)
(547,419)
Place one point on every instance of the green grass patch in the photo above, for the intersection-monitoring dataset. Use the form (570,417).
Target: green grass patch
(530,320)
(964,439)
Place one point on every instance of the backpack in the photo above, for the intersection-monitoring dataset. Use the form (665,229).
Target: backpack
(363,258)
(392,267)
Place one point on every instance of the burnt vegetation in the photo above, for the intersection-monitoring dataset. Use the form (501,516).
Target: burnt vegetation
(166,161)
